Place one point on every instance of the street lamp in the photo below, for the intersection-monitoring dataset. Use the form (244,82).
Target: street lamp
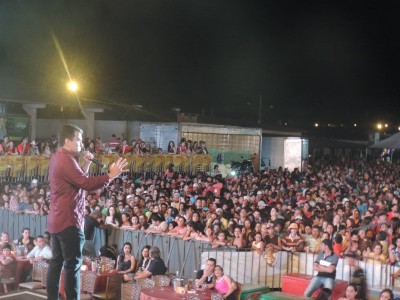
(379,126)
(72,86)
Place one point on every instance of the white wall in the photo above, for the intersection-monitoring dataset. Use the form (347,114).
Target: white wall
(273,149)
(45,128)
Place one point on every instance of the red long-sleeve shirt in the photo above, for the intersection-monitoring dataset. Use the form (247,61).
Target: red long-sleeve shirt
(68,184)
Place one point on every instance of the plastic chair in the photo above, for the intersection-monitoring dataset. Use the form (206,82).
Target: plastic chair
(130,291)
(8,276)
(238,290)
(39,271)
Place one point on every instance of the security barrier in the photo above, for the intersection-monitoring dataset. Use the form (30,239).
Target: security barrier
(25,168)
(188,256)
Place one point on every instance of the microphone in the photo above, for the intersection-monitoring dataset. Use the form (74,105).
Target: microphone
(97,162)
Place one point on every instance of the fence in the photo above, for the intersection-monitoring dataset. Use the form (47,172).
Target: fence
(24,168)
(188,256)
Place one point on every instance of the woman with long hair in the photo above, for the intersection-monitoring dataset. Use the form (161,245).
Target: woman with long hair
(126,262)
(144,258)
(111,218)
(350,293)
(171,149)
(26,239)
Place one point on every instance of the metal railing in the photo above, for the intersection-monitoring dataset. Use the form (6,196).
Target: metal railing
(24,168)
(187,256)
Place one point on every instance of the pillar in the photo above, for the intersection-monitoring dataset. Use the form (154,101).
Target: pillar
(89,116)
(31,110)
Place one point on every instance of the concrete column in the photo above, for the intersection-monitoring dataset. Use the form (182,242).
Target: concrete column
(89,115)
(31,110)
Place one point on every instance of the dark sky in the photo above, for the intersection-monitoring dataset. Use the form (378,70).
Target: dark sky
(325,61)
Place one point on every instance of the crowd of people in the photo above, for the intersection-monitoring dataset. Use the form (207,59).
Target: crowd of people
(354,205)
(356,208)
(97,146)
(26,148)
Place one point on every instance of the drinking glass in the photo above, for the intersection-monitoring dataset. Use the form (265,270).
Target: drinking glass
(203,288)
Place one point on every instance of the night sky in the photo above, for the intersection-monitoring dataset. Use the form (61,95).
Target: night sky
(312,61)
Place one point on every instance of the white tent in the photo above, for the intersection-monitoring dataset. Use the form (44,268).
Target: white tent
(392,142)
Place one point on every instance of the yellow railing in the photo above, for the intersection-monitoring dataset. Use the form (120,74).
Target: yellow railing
(19,168)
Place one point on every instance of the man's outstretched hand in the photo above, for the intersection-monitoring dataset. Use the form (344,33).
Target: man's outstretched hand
(117,167)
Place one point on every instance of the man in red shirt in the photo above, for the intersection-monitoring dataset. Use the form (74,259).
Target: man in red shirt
(68,183)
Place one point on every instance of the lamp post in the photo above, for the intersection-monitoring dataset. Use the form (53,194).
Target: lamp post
(72,86)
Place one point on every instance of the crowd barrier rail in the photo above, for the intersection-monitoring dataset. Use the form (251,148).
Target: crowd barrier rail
(25,168)
(188,256)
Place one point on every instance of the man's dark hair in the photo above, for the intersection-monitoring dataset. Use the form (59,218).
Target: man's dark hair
(155,218)
(213,260)
(68,132)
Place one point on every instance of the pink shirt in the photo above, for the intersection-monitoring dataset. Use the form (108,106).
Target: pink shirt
(221,285)
(67,190)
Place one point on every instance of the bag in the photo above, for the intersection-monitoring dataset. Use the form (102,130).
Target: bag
(109,251)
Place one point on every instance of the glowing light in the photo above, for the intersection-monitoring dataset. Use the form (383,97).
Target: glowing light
(72,86)
(316,124)
(355,125)
(379,126)
(386,125)
(398,128)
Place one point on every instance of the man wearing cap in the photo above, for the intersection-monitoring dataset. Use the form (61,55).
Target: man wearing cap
(293,242)
(325,264)
(34,149)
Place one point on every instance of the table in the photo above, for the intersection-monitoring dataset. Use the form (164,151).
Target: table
(168,294)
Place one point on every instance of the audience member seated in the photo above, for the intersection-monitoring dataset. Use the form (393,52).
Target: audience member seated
(144,259)
(155,267)
(223,284)
(26,239)
(126,262)
(5,239)
(206,275)
(7,265)
(41,252)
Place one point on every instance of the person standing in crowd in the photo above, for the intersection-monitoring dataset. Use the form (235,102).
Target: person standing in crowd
(92,220)
(325,264)
(23,148)
(293,242)
(68,183)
